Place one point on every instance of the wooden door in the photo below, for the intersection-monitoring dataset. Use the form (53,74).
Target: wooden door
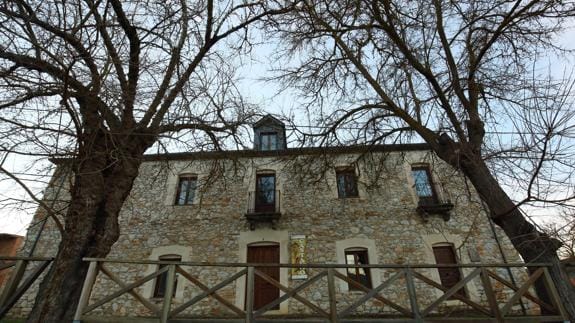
(445,255)
(265,292)
(265,193)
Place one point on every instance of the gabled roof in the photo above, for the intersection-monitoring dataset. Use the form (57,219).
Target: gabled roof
(269,119)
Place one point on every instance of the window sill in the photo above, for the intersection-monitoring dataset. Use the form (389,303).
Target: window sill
(160,299)
(350,198)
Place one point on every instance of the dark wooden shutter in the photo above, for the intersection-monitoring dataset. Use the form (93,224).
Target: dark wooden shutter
(445,255)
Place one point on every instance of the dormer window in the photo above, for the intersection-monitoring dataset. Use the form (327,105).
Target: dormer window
(268,141)
(269,134)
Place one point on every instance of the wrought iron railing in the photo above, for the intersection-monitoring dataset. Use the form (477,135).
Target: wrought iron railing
(264,201)
(431,195)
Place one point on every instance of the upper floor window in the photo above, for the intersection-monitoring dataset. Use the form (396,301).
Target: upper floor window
(265,193)
(186,190)
(162,280)
(346,183)
(444,254)
(424,185)
(358,256)
(268,141)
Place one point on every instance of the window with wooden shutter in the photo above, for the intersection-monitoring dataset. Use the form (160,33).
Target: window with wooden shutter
(449,276)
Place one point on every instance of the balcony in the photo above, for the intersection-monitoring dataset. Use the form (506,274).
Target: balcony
(433,201)
(263,207)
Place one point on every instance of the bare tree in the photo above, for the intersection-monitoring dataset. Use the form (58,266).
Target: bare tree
(100,82)
(562,228)
(457,74)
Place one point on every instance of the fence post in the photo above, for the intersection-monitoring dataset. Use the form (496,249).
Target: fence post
(554,294)
(490,295)
(331,294)
(412,295)
(168,295)
(14,281)
(250,295)
(86,290)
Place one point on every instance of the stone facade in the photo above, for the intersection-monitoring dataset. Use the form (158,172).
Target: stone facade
(213,228)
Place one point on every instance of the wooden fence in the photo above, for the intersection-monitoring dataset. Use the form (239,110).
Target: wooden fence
(411,277)
(17,284)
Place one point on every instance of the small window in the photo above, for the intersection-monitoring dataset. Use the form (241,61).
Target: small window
(161,281)
(346,183)
(358,256)
(186,190)
(424,185)
(449,276)
(269,141)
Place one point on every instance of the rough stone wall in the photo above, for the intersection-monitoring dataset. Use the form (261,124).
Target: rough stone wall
(210,229)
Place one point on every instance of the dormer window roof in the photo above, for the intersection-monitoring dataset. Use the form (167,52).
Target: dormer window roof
(269,134)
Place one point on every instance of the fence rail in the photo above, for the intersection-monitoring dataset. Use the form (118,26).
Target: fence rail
(16,285)
(410,277)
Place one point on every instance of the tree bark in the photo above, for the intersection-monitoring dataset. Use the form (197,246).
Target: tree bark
(533,246)
(104,170)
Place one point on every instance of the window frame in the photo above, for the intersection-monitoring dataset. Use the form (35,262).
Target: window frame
(356,251)
(462,291)
(433,198)
(160,283)
(347,174)
(188,200)
(269,147)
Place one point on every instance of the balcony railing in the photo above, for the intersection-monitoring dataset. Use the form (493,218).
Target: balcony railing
(433,199)
(263,206)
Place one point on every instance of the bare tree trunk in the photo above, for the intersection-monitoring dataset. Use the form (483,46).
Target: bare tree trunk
(533,246)
(103,180)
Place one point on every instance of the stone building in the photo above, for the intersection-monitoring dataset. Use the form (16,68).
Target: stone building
(388,204)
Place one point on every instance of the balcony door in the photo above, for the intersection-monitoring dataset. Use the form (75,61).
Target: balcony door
(424,185)
(264,292)
(265,193)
